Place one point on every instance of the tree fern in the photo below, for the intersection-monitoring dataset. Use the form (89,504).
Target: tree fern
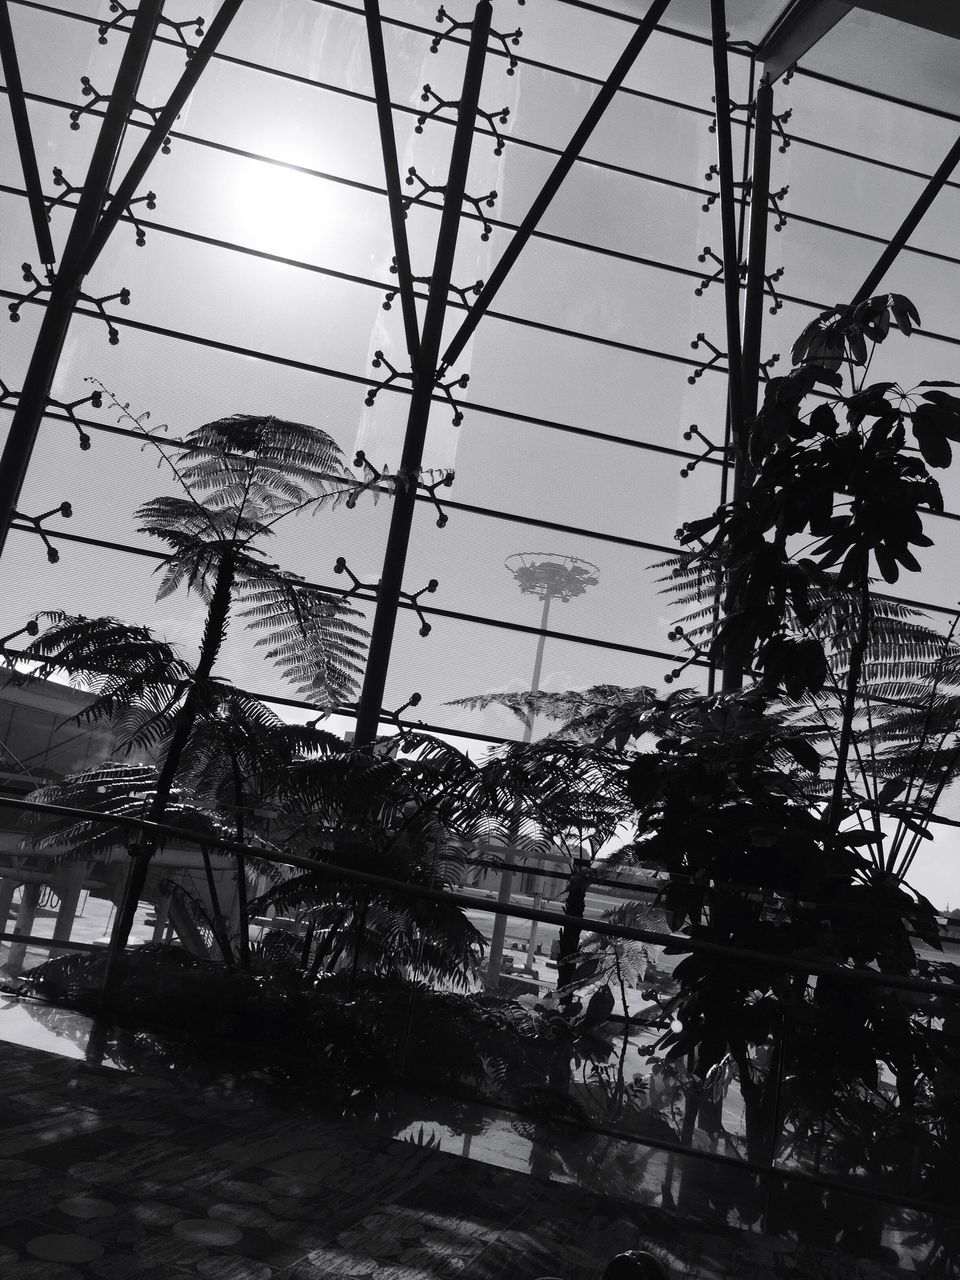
(312,637)
(113,789)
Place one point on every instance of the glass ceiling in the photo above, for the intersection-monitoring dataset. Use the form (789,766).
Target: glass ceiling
(262,283)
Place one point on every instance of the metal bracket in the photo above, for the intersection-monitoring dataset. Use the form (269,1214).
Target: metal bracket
(64,509)
(150,200)
(96,98)
(95,399)
(771,282)
(413,701)
(375,478)
(357,587)
(693,432)
(491,117)
(707,281)
(769,279)
(462,294)
(447,389)
(701,340)
(396,375)
(696,654)
(178,28)
(427,188)
(39,287)
(445,481)
(393,376)
(32,628)
(749,107)
(767,365)
(385,479)
(503,38)
(774,197)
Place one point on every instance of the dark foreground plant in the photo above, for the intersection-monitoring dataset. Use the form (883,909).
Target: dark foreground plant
(784,813)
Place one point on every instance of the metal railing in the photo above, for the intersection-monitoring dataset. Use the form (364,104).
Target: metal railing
(672,1138)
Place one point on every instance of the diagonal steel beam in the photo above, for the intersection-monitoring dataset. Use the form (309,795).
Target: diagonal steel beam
(21,128)
(391,168)
(66,287)
(909,224)
(127,189)
(756,256)
(552,185)
(728,221)
(798,28)
(425,371)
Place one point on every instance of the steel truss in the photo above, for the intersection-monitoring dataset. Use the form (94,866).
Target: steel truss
(96,215)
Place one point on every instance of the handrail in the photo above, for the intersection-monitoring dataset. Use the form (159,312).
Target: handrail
(671,941)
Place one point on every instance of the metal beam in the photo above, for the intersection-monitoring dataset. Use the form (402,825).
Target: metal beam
(21,128)
(552,185)
(391,169)
(909,224)
(934,15)
(756,254)
(127,189)
(696,946)
(728,221)
(66,287)
(425,371)
(796,31)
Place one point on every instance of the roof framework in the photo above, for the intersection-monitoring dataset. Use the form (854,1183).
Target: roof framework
(584,294)
(747,46)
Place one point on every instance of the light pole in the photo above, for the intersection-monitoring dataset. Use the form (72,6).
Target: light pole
(550,576)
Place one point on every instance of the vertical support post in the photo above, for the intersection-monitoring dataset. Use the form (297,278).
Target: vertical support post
(29,902)
(71,887)
(8,887)
(756,262)
(424,377)
(728,219)
(565,163)
(391,169)
(92,225)
(162,914)
(505,890)
(733,667)
(21,128)
(156,134)
(66,287)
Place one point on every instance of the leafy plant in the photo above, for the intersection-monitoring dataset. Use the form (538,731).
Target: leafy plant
(238,477)
(785,810)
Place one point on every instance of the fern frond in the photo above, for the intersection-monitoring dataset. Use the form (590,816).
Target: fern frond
(113,789)
(311,636)
(266,464)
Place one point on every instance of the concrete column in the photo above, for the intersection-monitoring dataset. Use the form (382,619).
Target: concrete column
(8,887)
(29,902)
(161,911)
(70,887)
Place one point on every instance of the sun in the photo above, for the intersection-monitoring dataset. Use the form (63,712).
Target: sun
(286,211)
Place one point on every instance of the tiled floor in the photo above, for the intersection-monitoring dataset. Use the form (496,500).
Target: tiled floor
(116,1177)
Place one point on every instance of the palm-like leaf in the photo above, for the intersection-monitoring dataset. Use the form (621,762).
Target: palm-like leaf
(309,634)
(111,789)
(264,463)
(198,540)
(586,715)
(138,680)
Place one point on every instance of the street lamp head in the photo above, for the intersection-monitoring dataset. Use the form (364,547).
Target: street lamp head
(548,573)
